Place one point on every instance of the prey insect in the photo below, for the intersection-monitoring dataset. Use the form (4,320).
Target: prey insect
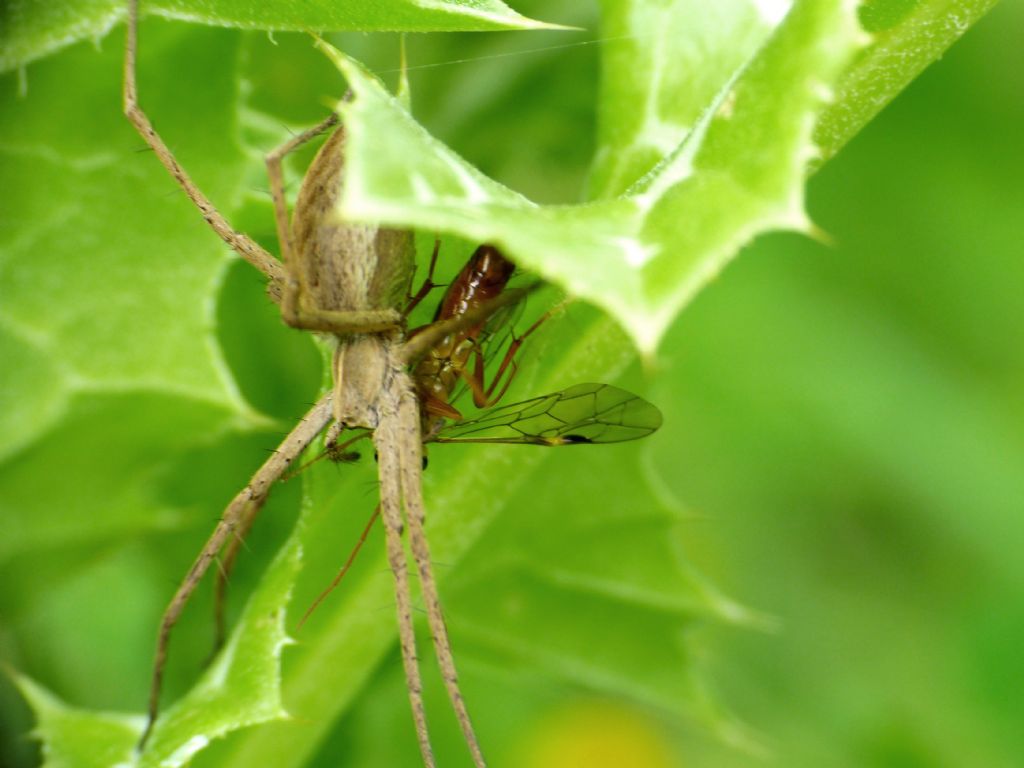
(583,413)
(580,414)
(348,281)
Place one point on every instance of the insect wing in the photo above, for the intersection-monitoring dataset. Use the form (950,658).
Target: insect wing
(583,413)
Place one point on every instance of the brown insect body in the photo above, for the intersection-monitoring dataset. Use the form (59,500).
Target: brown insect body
(482,279)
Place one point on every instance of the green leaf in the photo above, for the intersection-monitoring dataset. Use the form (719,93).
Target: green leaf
(110,313)
(532,603)
(240,688)
(102,494)
(76,738)
(117,326)
(643,255)
(905,38)
(669,63)
(31,29)
(92,312)
(129,327)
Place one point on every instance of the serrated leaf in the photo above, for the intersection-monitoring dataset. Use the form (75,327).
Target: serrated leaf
(30,29)
(547,602)
(463,496)
(643,255)
(118,327)
(76,738)
(240,688)
(905,38)
(109,304)
(670,61)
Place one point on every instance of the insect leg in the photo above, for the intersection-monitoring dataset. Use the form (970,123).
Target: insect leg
(386,439)
(428,284)
(411,467)
(251,497)
(429,336)
(242,244)
(485,398)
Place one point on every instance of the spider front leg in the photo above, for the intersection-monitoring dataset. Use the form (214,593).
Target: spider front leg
(242,508)
(240,243)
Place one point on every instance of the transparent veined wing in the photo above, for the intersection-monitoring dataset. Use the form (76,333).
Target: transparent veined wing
(583,413)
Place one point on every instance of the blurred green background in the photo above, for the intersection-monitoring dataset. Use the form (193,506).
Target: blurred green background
(852,438)
(843,425)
